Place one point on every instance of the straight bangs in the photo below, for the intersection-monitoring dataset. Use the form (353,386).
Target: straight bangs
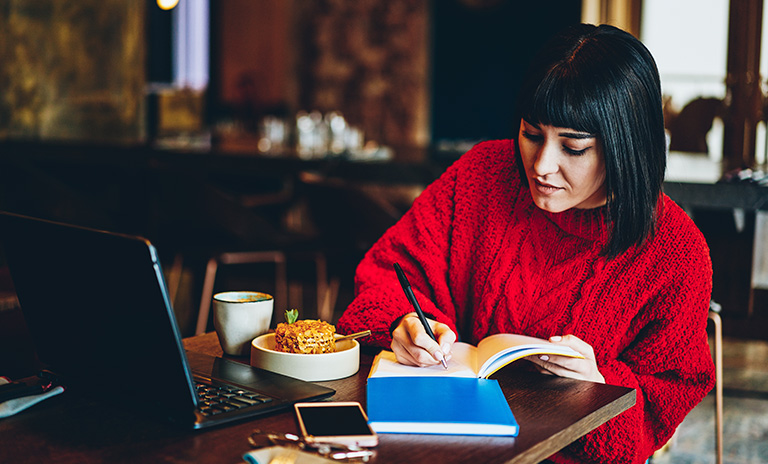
(562,100)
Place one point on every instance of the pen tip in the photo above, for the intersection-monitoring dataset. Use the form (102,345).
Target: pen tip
(445,366)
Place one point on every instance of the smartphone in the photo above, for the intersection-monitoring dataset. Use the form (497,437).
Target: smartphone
(335,422)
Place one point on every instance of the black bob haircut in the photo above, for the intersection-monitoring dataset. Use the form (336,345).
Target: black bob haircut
(604,81)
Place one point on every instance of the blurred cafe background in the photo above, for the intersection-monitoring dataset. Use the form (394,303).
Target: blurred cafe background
(266,144)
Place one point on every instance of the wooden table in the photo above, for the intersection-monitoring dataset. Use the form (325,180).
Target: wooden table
(552,412)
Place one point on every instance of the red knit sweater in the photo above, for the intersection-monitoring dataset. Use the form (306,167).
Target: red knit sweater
(484,259)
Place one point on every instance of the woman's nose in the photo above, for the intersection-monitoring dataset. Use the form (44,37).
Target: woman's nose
(546,159)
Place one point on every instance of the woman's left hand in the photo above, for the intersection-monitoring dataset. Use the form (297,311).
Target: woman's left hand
(565,366)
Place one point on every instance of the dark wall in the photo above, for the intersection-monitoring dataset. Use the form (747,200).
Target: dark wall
(479,55)
(159,51)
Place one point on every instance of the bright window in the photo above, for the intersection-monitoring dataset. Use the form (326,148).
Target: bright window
(191,44)
(689,40)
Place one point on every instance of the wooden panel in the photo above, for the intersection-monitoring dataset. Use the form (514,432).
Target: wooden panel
(73,70)
(743,83)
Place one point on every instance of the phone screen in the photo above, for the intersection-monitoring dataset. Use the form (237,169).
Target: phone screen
(335,420)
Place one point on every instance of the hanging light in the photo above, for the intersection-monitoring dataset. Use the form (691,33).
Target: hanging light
(167,4)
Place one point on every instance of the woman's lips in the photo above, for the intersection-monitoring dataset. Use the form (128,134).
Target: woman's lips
(546,189)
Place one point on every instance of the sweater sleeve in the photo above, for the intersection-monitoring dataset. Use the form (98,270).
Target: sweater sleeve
(419,242)
(668,363)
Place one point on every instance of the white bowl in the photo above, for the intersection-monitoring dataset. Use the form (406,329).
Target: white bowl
(310,367)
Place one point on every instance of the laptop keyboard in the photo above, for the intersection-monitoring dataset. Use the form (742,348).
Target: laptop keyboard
(216,399)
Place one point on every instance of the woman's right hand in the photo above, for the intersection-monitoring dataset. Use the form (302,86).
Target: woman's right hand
(414,347)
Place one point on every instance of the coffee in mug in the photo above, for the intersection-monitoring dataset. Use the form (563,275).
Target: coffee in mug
(239,317)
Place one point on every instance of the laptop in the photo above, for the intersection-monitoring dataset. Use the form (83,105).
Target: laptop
(97,308)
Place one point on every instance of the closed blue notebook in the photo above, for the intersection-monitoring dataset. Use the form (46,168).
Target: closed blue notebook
(439,405)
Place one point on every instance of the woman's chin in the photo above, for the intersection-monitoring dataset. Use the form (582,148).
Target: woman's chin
(548,205)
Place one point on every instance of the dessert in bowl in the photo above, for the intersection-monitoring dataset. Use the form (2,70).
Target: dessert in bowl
(342,362)
(306,350)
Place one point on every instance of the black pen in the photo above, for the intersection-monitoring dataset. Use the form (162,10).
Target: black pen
(412,298)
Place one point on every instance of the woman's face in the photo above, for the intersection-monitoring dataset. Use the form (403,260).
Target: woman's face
(565,167)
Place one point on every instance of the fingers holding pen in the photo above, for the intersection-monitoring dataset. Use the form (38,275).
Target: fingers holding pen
(445,337)
(419,338)
(412,345)
(421,349)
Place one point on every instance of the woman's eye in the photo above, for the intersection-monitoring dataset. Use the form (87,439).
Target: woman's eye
(574,152)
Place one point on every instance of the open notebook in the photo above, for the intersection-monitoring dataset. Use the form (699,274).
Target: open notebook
(97,307)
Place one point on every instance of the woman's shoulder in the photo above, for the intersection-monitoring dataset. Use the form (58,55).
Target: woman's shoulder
(673,219)
(678,235)
(492,150)
(488,158)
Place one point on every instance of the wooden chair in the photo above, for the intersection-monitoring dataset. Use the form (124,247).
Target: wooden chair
(717,326)
(280,258)
(717,323)
(204,222)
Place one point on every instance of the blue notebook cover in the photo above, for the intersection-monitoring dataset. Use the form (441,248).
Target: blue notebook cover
(439,405)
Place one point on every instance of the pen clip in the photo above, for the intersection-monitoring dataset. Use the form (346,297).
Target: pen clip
(401,276)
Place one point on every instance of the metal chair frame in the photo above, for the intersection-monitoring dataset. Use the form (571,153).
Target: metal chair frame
(717,322)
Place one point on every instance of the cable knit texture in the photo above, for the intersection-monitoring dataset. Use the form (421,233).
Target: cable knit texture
(482,258)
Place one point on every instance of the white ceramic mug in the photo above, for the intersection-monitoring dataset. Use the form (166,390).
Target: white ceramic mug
(239,317)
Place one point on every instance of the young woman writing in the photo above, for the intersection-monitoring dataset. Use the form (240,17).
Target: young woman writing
(562,234)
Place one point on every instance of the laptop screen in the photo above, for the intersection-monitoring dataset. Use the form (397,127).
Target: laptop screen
(98,310)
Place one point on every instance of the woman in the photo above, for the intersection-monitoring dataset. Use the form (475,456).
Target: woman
(563,234)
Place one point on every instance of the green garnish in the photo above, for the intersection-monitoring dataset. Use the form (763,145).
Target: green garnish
(291,315)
